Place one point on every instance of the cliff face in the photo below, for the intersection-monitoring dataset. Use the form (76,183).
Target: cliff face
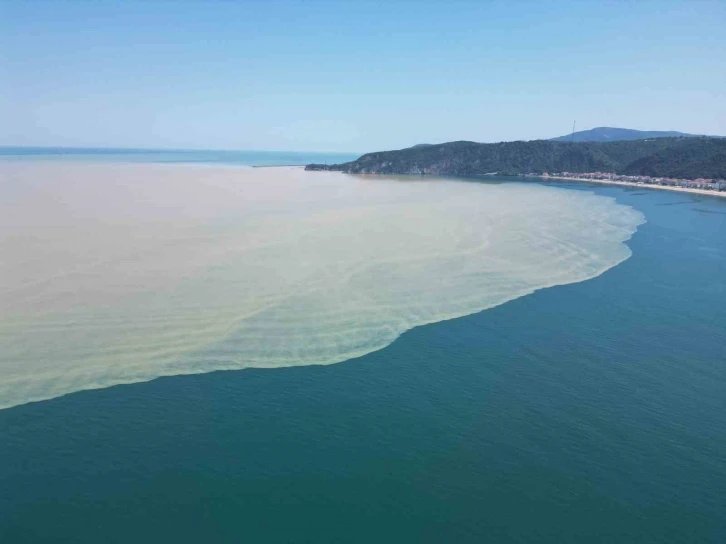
(676,157)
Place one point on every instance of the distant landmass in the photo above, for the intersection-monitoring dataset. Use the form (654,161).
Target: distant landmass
(613,134)
(682,157)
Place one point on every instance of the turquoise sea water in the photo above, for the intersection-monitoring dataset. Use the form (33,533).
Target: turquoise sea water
(249,158)
(591,412)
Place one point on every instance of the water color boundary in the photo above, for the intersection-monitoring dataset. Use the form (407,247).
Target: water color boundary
(421,253)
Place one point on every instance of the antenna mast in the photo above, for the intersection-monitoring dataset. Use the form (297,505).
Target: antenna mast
(572,138)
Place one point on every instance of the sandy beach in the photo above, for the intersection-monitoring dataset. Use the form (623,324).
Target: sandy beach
(644,186)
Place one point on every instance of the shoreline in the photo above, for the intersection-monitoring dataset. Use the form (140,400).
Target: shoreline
(705,192)
(278,166)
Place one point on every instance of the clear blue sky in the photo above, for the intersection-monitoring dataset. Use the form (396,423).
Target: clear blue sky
(353,75)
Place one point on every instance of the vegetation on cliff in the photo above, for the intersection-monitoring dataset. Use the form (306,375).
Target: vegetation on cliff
(688,158)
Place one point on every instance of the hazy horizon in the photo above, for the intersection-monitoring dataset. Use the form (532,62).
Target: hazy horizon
(271,151)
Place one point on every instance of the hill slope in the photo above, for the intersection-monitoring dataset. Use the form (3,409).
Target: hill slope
(613,134)
(663,157)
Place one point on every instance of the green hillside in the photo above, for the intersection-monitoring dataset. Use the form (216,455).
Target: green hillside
(689,158)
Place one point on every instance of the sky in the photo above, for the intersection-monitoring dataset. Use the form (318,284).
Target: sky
(356,76)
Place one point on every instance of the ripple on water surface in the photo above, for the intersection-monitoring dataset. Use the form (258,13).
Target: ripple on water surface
(118,273)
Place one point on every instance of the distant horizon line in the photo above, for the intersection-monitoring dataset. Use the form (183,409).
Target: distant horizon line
(143,149)
(115,148)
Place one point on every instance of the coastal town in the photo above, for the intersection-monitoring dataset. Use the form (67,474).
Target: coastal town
(700,184)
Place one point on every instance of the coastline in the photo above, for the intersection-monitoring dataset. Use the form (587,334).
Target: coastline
(721,194)
(277,166)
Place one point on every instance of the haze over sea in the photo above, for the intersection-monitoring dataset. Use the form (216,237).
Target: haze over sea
(592,409)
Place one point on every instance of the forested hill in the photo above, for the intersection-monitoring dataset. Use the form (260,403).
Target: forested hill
(687,158)
(612,134)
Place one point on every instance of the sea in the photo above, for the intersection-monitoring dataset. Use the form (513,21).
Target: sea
(592,411)
(174,156)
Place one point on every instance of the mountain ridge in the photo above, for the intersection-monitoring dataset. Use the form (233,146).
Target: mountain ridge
(613,134)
